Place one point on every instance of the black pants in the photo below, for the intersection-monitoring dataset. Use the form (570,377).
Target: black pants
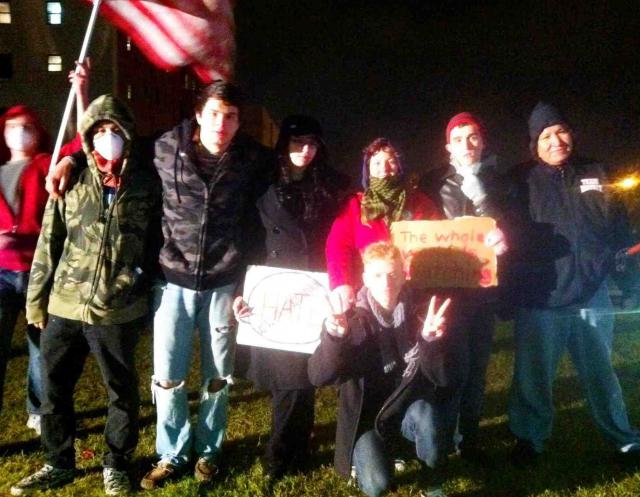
(292,415)
(472,339)
(65,345)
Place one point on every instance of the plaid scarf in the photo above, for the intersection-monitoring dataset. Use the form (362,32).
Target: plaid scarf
(384,198)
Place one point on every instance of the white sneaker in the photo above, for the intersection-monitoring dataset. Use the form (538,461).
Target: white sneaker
(434,491)
(400,465)
(116,482)
(34,422)
(45,478)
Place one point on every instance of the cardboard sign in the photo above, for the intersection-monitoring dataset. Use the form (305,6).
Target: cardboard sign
(288,307)
(447,254)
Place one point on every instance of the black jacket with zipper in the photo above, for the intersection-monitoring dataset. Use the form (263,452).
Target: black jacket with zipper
(566,226)
(210,223)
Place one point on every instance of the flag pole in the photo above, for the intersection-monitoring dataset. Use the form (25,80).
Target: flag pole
(71,98)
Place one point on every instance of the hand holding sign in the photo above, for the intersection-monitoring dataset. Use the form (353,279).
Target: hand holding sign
(241,309)
(496,240)
(434,322)
(336,324)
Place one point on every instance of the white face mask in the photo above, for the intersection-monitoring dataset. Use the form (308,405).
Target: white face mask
(109,145)
(19,138)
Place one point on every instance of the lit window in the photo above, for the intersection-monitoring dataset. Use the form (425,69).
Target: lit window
(54,63)
(5,12)
(129,92)
(54,13)
(6,66)
(128,44)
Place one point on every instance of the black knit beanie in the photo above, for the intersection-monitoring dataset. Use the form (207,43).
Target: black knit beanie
(542,116)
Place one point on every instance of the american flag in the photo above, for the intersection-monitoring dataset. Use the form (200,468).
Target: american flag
(177,33)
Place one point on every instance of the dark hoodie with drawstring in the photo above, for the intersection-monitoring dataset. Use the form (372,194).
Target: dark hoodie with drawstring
(91,259)
(209,219)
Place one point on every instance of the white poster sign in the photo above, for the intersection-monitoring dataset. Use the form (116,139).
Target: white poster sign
(287,308)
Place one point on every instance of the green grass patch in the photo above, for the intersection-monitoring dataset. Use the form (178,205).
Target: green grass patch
(578,462)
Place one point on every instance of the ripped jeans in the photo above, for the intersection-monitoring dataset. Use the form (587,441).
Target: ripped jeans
(179,312)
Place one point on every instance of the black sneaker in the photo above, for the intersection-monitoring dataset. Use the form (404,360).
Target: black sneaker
(45,478)
(523,454)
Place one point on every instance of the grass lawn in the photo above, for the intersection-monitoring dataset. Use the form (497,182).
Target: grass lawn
(578,461)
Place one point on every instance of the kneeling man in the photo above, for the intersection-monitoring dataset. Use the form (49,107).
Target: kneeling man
(392,374)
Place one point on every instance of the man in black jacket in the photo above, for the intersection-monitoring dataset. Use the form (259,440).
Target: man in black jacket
(567,234)
(468,185)
(211,175)
(393,377)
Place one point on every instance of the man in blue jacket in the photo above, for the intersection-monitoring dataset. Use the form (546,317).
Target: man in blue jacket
(568,232)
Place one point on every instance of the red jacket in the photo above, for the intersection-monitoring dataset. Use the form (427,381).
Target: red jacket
(19,232)
(349,237)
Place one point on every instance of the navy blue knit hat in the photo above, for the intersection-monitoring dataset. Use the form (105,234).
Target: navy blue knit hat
(542,116)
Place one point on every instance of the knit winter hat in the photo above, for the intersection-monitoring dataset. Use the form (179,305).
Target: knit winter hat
(297,125)
(542,116)
(466,119)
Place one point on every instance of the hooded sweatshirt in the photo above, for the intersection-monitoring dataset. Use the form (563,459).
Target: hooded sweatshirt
(19,228)
(90,258)
(210,220)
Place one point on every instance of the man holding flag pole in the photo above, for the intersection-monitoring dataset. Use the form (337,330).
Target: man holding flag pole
(211,177)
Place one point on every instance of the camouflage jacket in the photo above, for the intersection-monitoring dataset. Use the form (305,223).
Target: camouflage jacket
(91,256)
(210,225)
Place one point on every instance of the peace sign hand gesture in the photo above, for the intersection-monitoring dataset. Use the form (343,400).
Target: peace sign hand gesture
(336,324)
(434,322)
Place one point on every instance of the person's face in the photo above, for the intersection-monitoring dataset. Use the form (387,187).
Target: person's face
(21,125)
(104,127)
(383,164)
(465,144)
(384,279)
(302,150)
(219,123)
(555,145)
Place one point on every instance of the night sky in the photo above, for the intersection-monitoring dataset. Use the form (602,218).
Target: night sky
(402,68)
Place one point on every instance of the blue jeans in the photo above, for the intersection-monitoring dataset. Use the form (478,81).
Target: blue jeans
(428,426)
(541,338)
(13,290)
(179,312)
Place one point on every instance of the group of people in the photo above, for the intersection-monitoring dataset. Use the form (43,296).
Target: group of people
(129,233)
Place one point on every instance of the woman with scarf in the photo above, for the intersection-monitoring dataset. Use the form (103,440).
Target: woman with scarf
(295,212)
(368,216)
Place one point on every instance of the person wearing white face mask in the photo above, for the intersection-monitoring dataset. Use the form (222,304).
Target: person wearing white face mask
(24,162)
(88,292)
(108,145)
